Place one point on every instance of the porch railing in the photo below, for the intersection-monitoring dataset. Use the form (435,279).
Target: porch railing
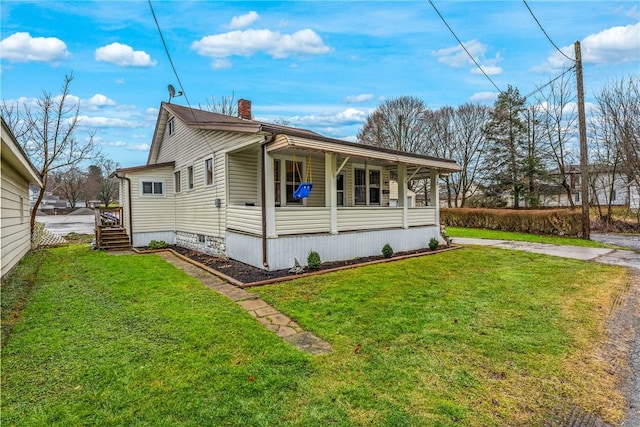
(107,218)
(308,220)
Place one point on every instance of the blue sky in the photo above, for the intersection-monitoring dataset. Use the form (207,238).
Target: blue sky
(319,65)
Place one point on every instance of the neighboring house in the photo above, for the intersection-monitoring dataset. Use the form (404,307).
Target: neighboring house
(393,195)
(224,185)
(605,186)
(16,175)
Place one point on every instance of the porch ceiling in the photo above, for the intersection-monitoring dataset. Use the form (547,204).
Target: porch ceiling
(347,149)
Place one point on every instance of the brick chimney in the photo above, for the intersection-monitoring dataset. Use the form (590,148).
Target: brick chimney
(244,109)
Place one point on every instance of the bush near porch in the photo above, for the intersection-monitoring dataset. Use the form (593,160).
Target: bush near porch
(561,222)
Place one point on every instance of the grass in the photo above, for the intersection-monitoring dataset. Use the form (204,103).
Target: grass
(480,233)
(478,336)
(130,340)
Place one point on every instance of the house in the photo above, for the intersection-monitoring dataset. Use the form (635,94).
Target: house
(606,185)
(17,173)
(225,186)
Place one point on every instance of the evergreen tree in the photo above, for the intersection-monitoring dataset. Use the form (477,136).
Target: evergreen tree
(507,155)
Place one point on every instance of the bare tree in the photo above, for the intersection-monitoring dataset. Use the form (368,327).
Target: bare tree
(618,118)
(70,184)
(47,134)
(226,105)
(457,134)
(557,115)
(397,124)
(108,186)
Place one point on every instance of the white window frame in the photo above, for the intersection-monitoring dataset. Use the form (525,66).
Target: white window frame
(191,178)
(177,181)
(283,178)
(171,126)
(153,182)
(213,172)
(367,169)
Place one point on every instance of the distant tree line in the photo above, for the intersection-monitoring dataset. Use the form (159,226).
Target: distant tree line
(518,147)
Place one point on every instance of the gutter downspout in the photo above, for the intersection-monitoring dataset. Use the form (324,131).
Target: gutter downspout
(263,197)
(129,206)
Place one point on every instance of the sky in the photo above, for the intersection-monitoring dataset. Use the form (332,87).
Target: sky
(319,65)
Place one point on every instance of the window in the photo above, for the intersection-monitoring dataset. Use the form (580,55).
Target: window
(374,187)
(201,238)
(577,197)
(294,174)
(177,179)
(152,188)
(360,186)
(171,127)
(276,181)
(340,189)
(613,195)
(287,177)
(367,186)
(190,178)
(208,171)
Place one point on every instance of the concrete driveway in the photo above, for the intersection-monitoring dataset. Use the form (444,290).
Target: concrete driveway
(65,224)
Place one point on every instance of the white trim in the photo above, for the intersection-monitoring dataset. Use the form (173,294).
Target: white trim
(191,177)
(177,183)
(153,181)
(213,171)
(366,168)
(283,177)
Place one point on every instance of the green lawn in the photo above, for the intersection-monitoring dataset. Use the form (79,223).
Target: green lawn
(480,233)
(468,337)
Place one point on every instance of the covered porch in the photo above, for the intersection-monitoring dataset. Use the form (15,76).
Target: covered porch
(349,212)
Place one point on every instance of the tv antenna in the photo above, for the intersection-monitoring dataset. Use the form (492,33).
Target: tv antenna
(172,93)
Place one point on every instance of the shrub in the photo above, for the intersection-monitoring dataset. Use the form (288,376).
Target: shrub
(541,221)
(434,243)
(157,244)
(387,251)
(313,260)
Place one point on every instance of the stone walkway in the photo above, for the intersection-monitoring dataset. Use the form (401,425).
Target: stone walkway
(267,315)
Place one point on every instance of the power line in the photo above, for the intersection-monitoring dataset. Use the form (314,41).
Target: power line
(551,81)
(463,46)
(175,72)
(545,33)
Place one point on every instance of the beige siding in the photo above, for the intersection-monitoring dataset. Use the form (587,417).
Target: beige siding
(245,219)
(15,232)
(300,220)
(422,216)
(350,219)
(195,210)
(317,197)
(152,213)
(242,169)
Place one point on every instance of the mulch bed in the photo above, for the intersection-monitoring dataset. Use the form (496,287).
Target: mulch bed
(248,274)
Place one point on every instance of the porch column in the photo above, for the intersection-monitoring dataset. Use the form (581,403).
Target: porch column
(402,194)
(434,197)
(270,196)
(331,194)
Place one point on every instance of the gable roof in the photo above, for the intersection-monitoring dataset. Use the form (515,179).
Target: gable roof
(14,155)
(287,137)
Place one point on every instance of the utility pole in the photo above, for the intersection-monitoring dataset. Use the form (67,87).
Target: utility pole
(584,155)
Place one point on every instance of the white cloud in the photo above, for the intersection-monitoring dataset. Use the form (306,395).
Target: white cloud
(490,70)
(105,122)
(350,116)
(220,63)
(482,97)
(138,147)
(98,100)
(21,47)
(244,20)
(115,144)
(249,42)
(363,97)
(124,55)
(457,57)
(614,45)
